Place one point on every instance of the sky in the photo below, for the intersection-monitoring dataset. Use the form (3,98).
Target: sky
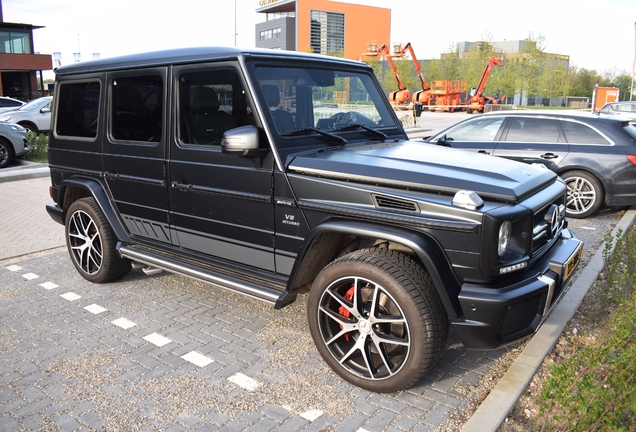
(598,35)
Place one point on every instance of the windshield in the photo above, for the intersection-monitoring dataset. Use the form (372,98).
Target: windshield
(303,98)
(34,104)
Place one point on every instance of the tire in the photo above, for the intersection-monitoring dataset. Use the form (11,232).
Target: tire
(6,153)
(30,127)
(91,243)
(585,194)
(346,325)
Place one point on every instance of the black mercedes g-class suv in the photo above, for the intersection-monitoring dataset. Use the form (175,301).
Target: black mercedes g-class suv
(274,173)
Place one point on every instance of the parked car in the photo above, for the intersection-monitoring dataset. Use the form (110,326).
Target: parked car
(13,143)
(226,166)
(595,155)
(33,116)
(624,109)
(9,104)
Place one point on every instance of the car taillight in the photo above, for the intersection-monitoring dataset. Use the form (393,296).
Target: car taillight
(51,191)
(632,158)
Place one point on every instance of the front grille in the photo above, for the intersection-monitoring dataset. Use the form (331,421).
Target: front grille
(520,315)
(546,228)
(393,203)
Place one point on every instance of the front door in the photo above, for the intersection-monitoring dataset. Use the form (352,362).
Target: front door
(221,204)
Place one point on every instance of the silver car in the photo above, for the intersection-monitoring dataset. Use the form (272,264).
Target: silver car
(624,109)
(13,142)
(34,115)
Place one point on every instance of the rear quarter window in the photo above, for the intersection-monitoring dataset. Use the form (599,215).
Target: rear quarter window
(78,107)
(579,133)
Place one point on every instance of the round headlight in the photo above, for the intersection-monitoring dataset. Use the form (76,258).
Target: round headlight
(504,238)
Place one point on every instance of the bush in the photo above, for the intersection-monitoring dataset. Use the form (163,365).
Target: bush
(39,145)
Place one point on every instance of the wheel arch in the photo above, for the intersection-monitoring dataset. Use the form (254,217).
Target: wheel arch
(75,188)
(588,170)
(324,242)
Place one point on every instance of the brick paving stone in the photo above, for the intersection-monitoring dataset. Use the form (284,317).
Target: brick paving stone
(351,423)
(437,416)
(8,423)
(262,425)
(380,420)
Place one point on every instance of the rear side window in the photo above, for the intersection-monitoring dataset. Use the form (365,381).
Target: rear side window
(578,133)
(77,108)
(136,109)
(525,129)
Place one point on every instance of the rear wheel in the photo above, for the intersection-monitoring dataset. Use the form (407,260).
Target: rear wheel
(584,195)
(6,153)
(377,320)
(91,243)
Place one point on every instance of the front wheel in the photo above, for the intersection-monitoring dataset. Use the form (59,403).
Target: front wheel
(91,243)
(6,153)
(584,194)
(377,320)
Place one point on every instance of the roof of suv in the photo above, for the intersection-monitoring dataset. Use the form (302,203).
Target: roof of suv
(188,55)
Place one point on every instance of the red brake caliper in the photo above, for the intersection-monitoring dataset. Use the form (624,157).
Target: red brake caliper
(344,311)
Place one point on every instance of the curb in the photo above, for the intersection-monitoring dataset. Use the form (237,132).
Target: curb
(502,399)
(24,173)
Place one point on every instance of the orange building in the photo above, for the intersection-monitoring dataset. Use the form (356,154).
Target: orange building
(322,27)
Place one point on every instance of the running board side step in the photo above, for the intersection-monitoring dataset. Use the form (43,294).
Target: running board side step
(278,298)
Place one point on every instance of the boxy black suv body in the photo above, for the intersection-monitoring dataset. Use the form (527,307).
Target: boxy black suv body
(272,173)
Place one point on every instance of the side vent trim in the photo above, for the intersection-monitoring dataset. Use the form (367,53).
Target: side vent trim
(393,203)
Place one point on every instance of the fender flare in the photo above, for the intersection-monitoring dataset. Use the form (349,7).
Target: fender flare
(427,250)
(98,192)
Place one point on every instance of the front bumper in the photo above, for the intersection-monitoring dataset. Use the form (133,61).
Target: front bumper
(497,316)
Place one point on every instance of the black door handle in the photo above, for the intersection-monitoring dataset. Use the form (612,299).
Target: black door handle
(181,186)
(483,152)
(549,156)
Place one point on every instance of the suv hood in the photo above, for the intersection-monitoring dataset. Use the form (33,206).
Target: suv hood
(425,167)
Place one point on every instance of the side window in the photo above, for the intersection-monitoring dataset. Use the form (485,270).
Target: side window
(136,108)
(483,129)
(578,133)
(211,102)
(77,109)
(533,130)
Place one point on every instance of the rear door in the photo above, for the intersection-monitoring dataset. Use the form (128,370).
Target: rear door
(533,140)
(221,204)
(134,151)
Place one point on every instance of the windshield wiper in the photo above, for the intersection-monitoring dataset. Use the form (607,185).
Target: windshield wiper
(306,131)
(375,132)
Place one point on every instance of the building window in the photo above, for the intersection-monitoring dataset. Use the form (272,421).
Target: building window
(327,32)
(270,34)
(15,42)
(281,14)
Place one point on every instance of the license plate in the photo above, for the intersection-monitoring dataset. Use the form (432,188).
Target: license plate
(572,262)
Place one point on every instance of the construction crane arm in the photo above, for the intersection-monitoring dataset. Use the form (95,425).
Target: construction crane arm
(418,68)
(492,61)
(383,50)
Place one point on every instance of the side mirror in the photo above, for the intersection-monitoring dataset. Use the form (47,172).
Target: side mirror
(242,141)
(441,141)
(45,110)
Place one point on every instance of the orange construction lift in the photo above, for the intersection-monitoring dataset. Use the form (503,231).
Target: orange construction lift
(424,96)
(400,98)
(477,99)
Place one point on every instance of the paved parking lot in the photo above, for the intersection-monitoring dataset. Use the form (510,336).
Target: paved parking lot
(167,353)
